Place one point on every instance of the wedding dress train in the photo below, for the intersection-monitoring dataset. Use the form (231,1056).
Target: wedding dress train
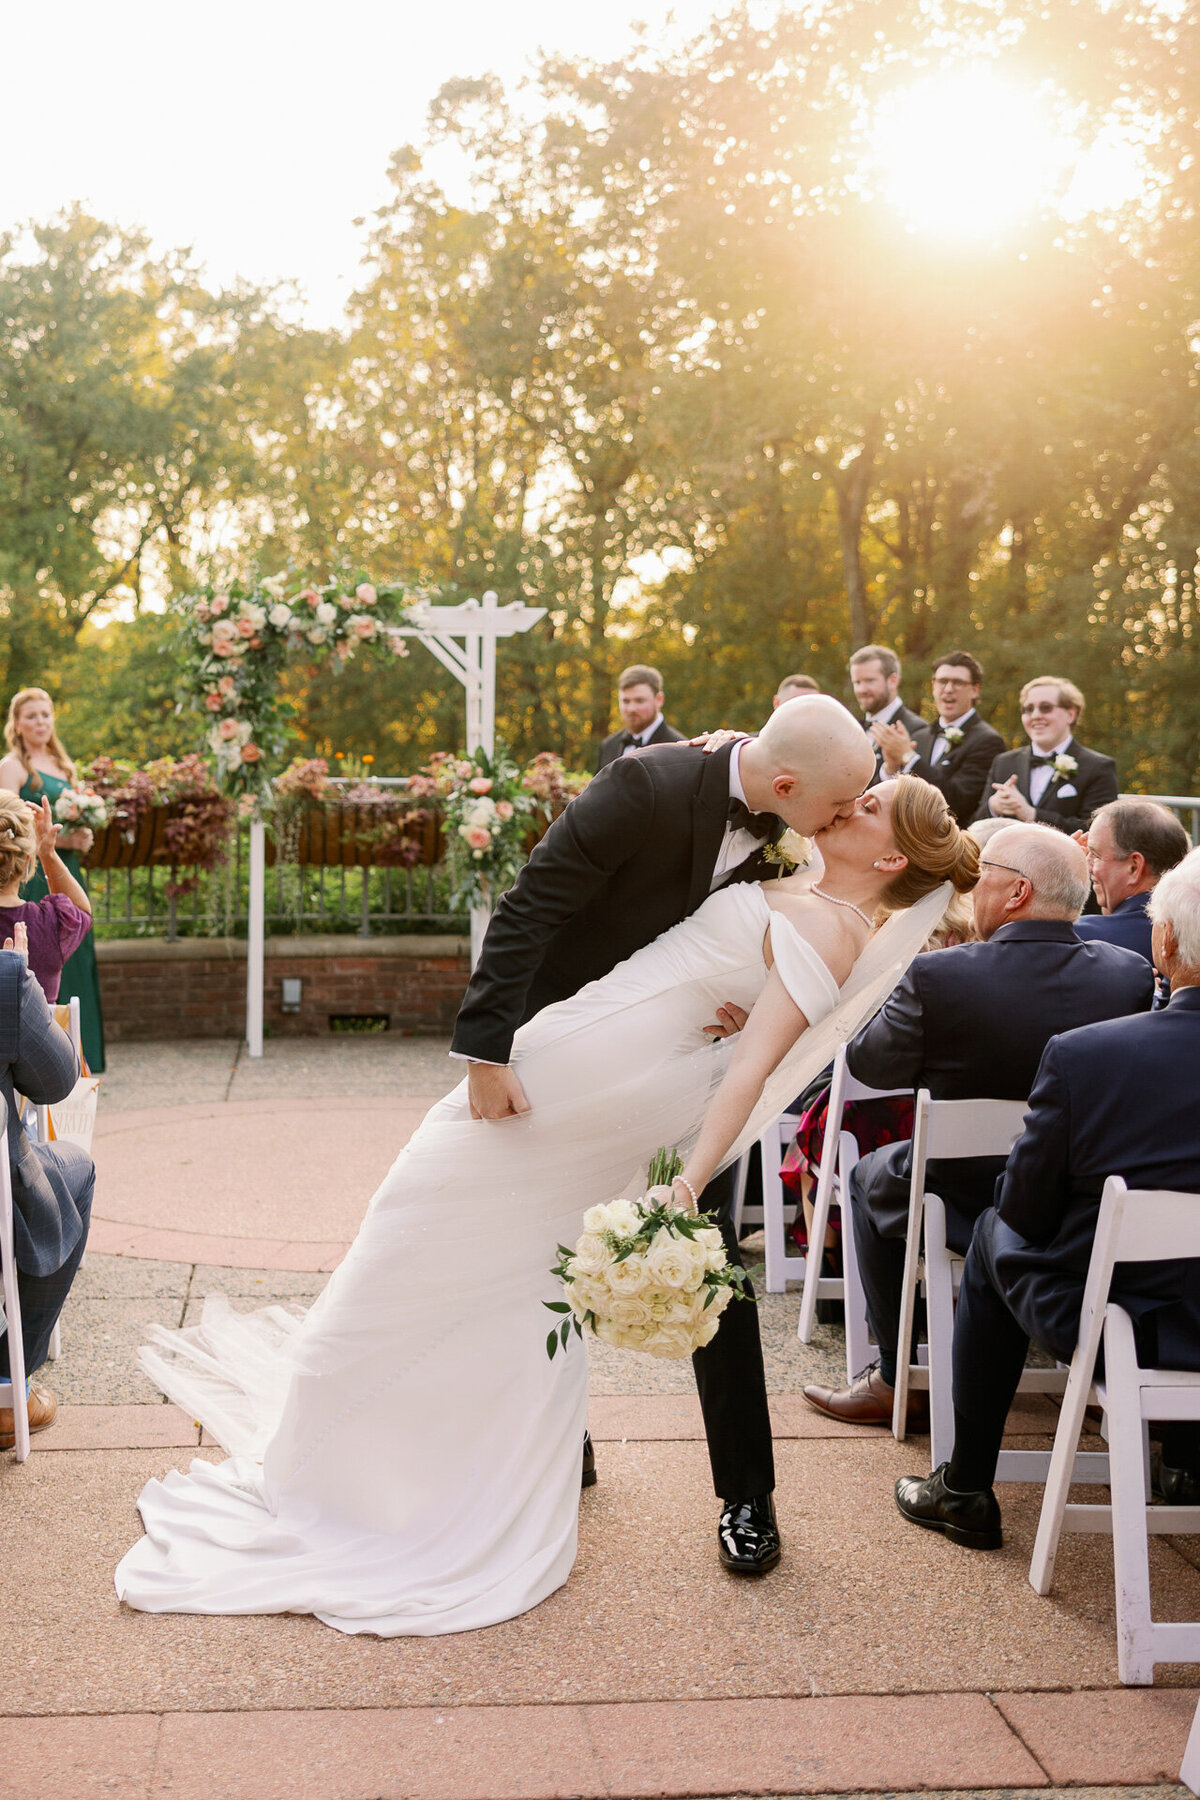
(405,1459)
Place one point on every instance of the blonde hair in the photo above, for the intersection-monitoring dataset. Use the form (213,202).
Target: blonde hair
(937,849)
(1068,693)
(18,843)
(16,743)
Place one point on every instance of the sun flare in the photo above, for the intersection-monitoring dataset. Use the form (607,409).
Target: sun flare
(968,153)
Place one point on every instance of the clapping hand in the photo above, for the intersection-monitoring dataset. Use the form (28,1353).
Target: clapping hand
(19,941)
(897,746)
(1007,803)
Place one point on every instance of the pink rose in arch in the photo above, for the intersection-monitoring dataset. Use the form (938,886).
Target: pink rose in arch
(311,595)
(245,628)
(256,643)
(251,753)
(505,809)
(365,594)
(399,647)
(217,604)
(229,729)
(226,685)
(480,785)
(477,838)
(213,702)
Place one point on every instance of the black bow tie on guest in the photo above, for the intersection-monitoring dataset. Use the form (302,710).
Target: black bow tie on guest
(1041,762)
(630,737)
(759,825)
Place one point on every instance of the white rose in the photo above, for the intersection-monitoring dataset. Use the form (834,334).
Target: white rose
(629,1276)
(674,1340)
(316,634)
(631,1311)
(622,1217)
(592,1255)
(276,585)
(669,1261)
(253,615)
(595,1219)
(326,613)
(482,813)
(706,1330)
(280,616)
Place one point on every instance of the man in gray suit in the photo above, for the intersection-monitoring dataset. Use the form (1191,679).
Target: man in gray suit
(52,1183)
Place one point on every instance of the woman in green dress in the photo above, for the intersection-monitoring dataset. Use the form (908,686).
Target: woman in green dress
(37,766)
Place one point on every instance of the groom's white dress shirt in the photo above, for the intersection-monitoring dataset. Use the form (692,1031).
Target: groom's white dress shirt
(738,843)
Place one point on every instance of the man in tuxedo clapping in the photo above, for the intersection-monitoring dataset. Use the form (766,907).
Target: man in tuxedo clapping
(1057,780)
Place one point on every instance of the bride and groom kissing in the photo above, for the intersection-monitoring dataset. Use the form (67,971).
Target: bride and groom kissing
(413,1465)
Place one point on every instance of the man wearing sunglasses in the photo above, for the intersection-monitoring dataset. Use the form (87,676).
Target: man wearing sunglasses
(1056,781)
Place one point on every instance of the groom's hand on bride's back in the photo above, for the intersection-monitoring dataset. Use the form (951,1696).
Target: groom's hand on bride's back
(494,1091)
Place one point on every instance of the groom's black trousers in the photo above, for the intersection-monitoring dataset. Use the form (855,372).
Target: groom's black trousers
(732,1380)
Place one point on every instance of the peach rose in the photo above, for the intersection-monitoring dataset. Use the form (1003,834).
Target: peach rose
(251,753)
(217,604)
(245,628)
(480,785)
(476,837)
(399,647)
(228,728)
(226,685)
(365,594)
(213,702)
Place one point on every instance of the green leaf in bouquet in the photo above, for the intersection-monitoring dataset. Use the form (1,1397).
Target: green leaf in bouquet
(556,1306)
(565,1332)
(709,1298)
(552,1343)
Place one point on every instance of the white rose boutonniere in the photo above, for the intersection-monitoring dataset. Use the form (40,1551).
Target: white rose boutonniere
(1064,764)
(953,736)
(789,852)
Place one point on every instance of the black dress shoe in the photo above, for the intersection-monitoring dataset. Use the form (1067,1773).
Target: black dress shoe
(589,1462)
(970,1519)
(1174,1487)
(747,1535)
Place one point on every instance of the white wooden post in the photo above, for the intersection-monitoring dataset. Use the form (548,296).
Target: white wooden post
(256,937)
(473,666)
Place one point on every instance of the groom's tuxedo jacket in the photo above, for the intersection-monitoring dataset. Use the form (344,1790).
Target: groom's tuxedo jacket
(961,771)
(1070,800)
(631,856)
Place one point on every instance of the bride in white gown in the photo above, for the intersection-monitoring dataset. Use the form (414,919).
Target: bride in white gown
(405,1459)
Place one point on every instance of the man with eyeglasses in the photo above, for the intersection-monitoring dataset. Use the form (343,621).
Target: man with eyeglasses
(956,752)
(971,1023)
(1057,780)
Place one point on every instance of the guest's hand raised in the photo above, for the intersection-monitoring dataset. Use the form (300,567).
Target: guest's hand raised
(19,941)
(45,830)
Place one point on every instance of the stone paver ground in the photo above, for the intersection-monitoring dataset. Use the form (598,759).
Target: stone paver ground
(875,1660)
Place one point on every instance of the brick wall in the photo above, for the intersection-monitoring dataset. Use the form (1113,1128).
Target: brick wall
(197,988)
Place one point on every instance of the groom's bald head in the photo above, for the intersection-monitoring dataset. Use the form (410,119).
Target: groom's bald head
(809,763)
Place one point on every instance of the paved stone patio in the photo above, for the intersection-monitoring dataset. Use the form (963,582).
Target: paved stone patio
(875,1660)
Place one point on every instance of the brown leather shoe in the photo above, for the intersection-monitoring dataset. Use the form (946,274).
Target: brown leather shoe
(867,1401)
(42,1408)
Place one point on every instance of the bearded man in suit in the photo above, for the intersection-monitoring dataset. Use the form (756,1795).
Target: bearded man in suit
(875,677)
(640,704)
(956,752)
(639,850)
(1057,780)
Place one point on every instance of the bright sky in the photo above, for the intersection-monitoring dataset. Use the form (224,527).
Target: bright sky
(256,132)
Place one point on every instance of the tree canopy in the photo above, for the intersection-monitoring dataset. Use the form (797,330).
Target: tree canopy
(679,370)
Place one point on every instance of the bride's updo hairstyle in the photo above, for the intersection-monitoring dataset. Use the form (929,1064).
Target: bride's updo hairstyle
(937,849)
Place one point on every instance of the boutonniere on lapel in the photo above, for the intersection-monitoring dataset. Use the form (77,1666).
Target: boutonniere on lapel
(789,852)
(1064,764)
(953,735)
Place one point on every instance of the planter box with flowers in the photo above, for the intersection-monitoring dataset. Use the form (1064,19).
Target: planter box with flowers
(170,814)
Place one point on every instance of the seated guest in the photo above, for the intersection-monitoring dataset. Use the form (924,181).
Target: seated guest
(1130,845)
(52,1183)
(640,704)
(957,751)
(971,1024)
(1057,781)
(792,686)
(57,924)
(875,677)
(1116,1098)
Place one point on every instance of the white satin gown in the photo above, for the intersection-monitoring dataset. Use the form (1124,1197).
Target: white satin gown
(404,1459)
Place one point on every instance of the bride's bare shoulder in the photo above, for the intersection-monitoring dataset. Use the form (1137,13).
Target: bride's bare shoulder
(830,932)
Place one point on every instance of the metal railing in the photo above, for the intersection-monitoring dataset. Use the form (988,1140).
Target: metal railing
(316,898)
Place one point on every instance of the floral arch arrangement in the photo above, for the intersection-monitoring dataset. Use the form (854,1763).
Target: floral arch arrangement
(238,639)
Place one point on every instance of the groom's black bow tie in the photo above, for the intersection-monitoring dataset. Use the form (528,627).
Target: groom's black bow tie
(759,825)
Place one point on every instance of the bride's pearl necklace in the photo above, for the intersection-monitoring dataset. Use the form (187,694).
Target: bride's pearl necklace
(834,901)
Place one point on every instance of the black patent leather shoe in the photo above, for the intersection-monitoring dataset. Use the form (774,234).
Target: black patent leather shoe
(1174,1487)
(970,1519)
(589,1462)
(748,1537)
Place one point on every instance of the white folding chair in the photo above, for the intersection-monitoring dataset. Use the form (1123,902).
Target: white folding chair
(12,1302)
(949,1130)
(73,1028)
(1135,1225)
(1189,1773)
(839,1152)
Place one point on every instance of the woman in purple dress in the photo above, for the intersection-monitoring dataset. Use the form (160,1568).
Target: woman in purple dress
(57,925)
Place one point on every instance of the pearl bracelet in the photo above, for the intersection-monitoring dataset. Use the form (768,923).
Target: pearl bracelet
(691,1191)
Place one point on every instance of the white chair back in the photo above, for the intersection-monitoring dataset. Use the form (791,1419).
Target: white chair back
(12,1302)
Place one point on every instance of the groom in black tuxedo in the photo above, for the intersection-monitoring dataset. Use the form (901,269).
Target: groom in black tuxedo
(639,850)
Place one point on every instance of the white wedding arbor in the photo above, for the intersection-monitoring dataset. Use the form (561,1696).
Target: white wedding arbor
(472,662)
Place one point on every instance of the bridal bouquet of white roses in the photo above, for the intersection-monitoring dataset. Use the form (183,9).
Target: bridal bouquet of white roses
(76,807)
(645,1275)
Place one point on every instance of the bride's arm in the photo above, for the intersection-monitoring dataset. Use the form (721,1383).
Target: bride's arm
(773,1027)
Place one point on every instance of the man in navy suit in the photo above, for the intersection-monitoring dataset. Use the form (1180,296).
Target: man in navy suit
(970,1024)
(1130,845)
(52,1183)
(1057,780)
(1120,1098)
